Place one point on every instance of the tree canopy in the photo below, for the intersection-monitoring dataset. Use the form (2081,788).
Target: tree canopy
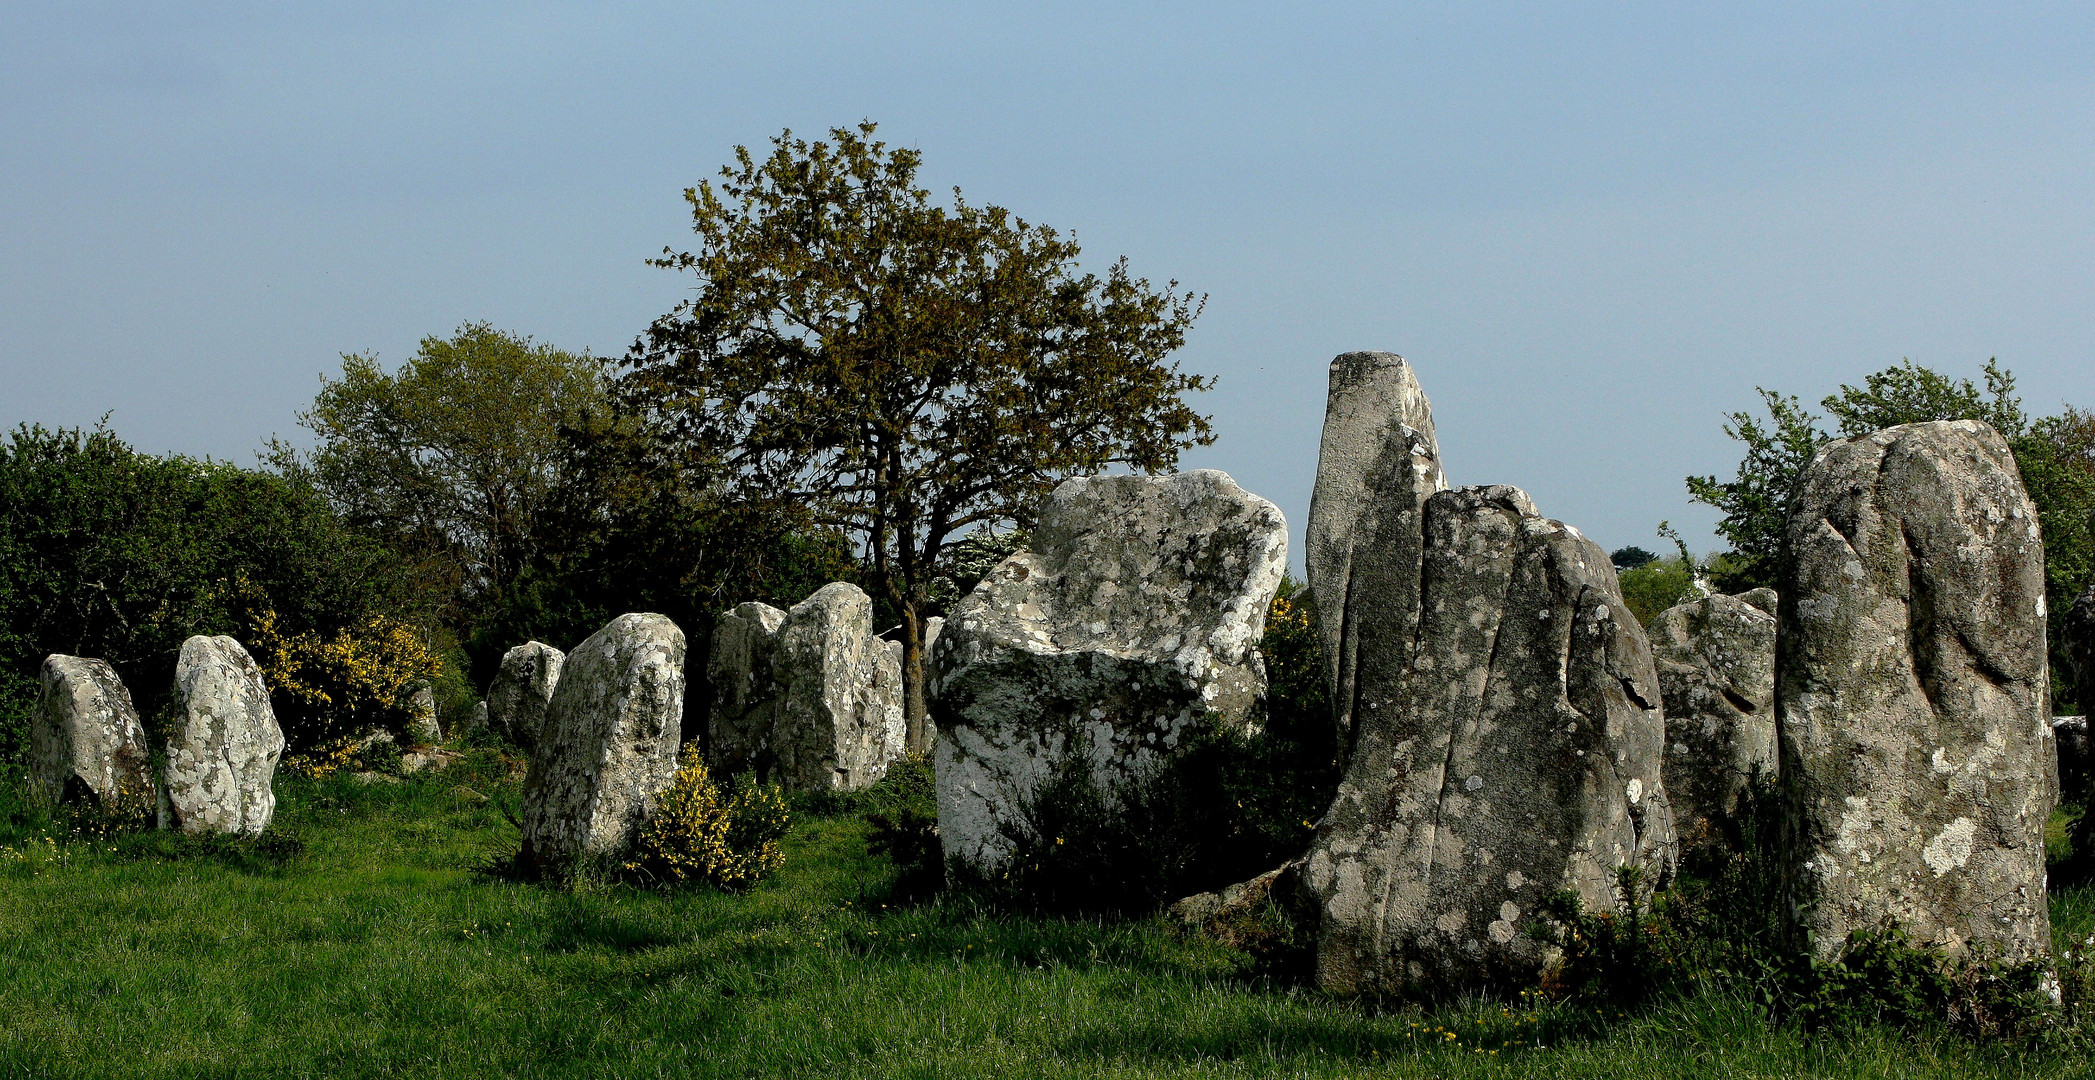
(906,371)
(452,458)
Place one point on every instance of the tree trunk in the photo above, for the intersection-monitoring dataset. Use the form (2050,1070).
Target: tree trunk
(916,710)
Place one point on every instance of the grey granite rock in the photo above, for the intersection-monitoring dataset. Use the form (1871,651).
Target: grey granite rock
(2069,739)
(1135,616)
(221,759)
(85,742)
(1912,693)
(608,747)
(1716,665)
(746,691)
(1517,754)
(523,686)
(839,717)
(1377,465)
(422,726)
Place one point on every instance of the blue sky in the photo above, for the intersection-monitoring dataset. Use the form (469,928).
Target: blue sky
(1593,228)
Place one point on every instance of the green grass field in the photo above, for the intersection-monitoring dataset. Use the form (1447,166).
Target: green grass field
(383,948)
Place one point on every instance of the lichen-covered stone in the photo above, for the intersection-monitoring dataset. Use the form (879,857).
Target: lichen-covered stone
(1911,687)
(608,747)
(523,686)
(746,694)
(1136,615)
(422,726)
(1378,464)
(839,710)
(1517,754)
(1716,665)
(221,759)
(85,742)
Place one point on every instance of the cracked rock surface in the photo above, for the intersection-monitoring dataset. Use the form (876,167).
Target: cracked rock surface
(609,744)
(221,759)
(1377,465)
(838,713)
(1135,616)
(1912,693)
(1716,665)
(1517,753)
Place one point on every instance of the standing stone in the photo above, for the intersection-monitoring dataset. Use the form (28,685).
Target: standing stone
(608,747)
(1136,615)
(745,690)
(1378,464)
(1911,691)
(1517,755)
(477,719)
(2079,633)
(2069,739)
(839,720)
(1716,666)
(85,742)
(523,686)
(422,724)
(222,758)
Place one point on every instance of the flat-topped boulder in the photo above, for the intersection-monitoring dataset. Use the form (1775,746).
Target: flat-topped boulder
(1377,465)
(838,713)
(744,708)
(1516,753)
(1716,667)
(608,747)
(86,745)
(221,758)
(522,688)
(1912,690)
(1134,619)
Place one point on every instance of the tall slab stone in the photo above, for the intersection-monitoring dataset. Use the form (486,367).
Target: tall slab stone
(1136,615)
(422,725)
(608,747)
(1377,465)
(86,745)
(744,710)
(1716,667)
(522,688)
(1911,693)
(839,710)
(1515,755)
(221,759)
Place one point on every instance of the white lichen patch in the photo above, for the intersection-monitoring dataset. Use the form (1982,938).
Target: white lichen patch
(1951,848)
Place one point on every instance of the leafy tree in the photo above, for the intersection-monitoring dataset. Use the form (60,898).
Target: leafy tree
(1629,558)
(1756,502)
(905,371)
(452,458)
(110,553)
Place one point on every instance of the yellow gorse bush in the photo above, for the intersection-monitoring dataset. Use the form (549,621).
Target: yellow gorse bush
(698,834)
(361,678)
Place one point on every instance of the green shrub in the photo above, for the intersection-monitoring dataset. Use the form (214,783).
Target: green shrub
(901,813)
(699,833)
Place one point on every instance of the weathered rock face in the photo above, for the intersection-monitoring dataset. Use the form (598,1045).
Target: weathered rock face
(477,719)
(1517,754)
(2080,647)
(608,747)
(1377,466)
(222,759)
(1716,666)
(1137,613)
(839,711)
(523,686)
(745,689)
(422,726)
(85,742)
(1911,689)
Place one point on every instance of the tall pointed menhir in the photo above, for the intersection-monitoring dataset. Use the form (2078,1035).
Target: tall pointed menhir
(1378,464)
